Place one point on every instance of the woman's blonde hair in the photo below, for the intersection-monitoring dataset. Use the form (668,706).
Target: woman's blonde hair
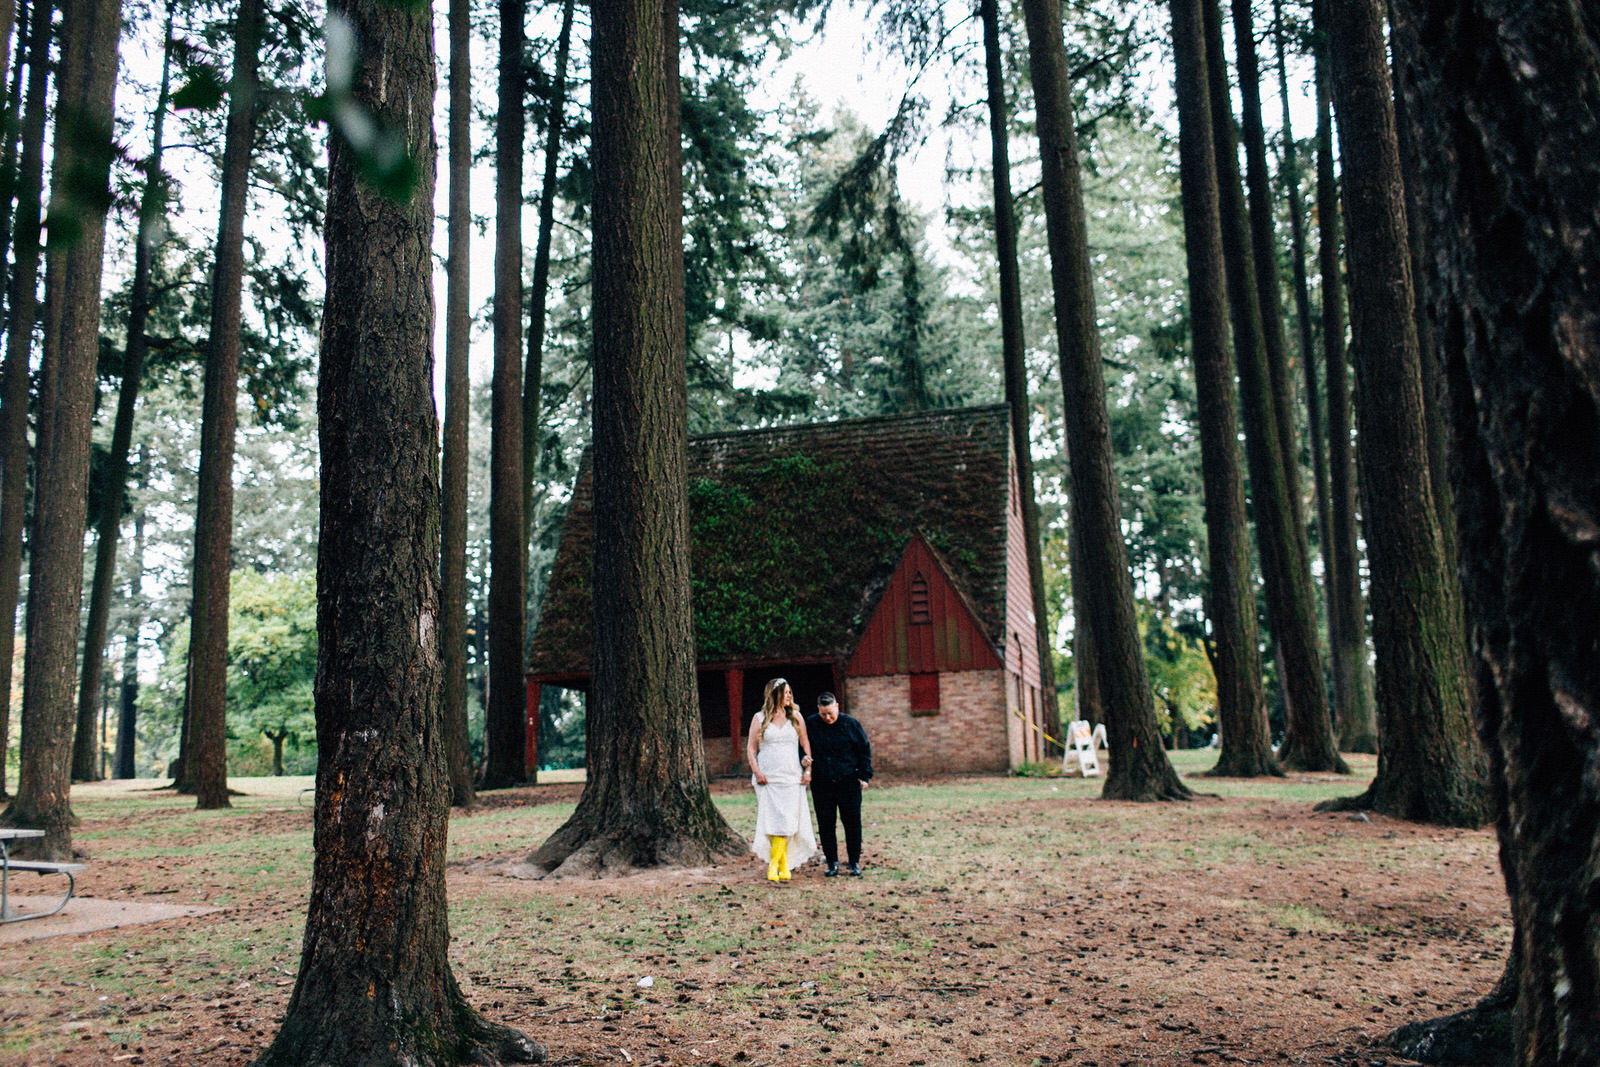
(771,704)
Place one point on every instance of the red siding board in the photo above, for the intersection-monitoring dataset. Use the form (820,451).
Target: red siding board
(952,639)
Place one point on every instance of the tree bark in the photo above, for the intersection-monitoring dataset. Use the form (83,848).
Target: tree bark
(533,373)
(8,15)
(1139,766)
(1280,531)
(1507,98)
(1316,419)
(22,302)
(1231,606)
(646,801)
(505,762)
(11,113)
(1264,249)
(457,387)
(80,186)
(1347,613)
(1431,767)
(152,205)
(375,985)
(122,761)
(1433,387)
(213,540)
(1014,349)
(1085,676)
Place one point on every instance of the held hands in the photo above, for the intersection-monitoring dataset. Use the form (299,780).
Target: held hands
(761,779)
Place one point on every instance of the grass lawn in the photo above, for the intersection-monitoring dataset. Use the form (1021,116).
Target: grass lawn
(1000,921)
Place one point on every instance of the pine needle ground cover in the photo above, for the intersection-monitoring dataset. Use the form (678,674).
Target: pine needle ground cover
(1000,921)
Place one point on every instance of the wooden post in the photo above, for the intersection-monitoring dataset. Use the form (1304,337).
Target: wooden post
(530,753)
(735,680)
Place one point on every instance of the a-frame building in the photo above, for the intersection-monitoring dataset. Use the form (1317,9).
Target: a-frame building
(881,559)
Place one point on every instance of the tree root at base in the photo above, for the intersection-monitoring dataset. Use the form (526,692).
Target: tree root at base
(1480,1035)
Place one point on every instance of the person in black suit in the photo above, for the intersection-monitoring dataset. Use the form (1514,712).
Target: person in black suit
(841,768)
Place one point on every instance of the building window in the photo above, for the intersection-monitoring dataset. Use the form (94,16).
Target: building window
(925,694)
(920,614)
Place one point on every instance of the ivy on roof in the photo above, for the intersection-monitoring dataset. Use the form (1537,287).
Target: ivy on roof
(795,533)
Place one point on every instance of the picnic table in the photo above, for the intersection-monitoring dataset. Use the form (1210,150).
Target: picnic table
(40,867)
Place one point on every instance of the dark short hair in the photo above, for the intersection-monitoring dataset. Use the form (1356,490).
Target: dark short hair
(827,698)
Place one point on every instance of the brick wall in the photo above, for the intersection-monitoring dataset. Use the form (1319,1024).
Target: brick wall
(969,734)
(720,759)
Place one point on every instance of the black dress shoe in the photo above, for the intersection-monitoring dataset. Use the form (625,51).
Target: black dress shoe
(855,870)
(832,871)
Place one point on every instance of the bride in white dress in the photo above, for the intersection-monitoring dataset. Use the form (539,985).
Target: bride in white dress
(783,818)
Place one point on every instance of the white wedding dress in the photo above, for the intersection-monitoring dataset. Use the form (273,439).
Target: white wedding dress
(781,808)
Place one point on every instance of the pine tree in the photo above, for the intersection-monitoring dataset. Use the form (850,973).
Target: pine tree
(1506,100)
(80,195)
(458,327)
(1431,767)
(1231,607)
(375,985)
(646,800)
(1139,766)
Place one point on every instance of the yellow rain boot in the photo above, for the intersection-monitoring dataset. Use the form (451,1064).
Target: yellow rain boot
(775,866)
(780,858)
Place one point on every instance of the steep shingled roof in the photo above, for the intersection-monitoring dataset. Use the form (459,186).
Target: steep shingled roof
(797,530)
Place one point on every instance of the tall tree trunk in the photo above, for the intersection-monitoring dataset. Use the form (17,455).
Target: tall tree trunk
(1085,676)
(1315,417)
(1139,766)
(152,204)
(182,768)
(1280,531)
(11,114)
(1507,100)
(1014,347)
(1264,249)
(81,166)
(646,801)
(22,302)
(1433,387)
(122,762)
(1347,613)
(375,985)
(1431,767)
(213,542)
(8,15)
(457,387)
(1231,604)
(538,294)
(505,761)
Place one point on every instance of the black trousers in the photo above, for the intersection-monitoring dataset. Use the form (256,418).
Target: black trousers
(844,798)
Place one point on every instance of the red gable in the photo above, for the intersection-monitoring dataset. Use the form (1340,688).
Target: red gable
(922,623)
